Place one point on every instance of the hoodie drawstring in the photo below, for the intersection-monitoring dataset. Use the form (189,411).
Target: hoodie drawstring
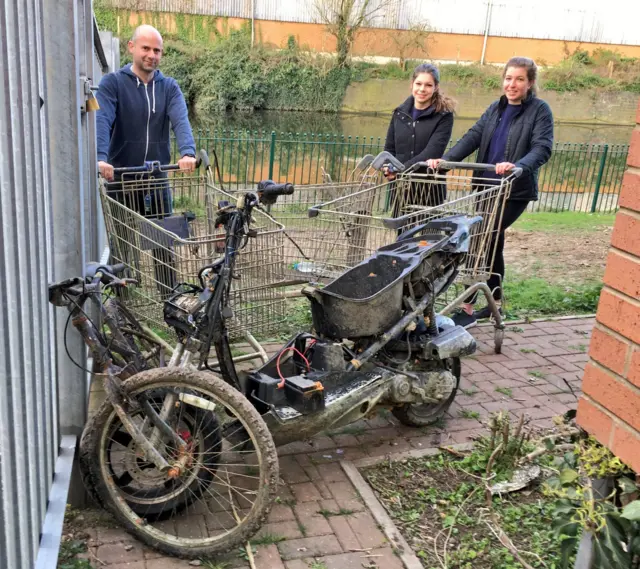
(154,95)
(138,80)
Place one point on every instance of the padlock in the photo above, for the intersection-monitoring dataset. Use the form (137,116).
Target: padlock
(92,102)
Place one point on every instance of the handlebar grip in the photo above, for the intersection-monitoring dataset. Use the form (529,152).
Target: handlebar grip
(267,188)
(118,268)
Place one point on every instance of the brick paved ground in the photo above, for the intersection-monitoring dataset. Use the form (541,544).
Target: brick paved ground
(539,366)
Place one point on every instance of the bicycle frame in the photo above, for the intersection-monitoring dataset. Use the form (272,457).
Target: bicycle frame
(113,375)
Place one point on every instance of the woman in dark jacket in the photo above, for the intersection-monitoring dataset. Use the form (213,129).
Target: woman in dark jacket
(515,131)
(420,129)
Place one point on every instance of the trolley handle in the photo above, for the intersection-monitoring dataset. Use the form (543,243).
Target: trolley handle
(151,166)
(517,172)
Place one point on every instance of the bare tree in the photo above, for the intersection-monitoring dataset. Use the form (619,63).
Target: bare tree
(345,18)
(407,42)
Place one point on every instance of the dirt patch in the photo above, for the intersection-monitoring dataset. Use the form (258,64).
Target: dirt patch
(558,257)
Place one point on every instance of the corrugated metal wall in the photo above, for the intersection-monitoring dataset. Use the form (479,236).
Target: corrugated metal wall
(29,434)
(589,21)
(49,226)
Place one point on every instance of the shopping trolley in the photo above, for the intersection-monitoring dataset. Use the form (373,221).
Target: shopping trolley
(349,229)
(161,224)
(291,210)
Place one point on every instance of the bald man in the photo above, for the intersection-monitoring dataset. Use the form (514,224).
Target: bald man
(137,106)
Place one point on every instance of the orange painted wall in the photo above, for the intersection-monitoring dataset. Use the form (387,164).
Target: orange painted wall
(378,42)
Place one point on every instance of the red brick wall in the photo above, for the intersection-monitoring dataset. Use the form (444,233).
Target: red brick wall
(610,406)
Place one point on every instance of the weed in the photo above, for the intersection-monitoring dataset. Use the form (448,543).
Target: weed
(242,552)
(469,392)
(350,430)
(340,512)
(515,329)
(505,391)
(528,350)
(209,564)
(303,529)
(449,505)
(69,550)
(315,564)
(538,374)
(469,414)
(267,539)
(579,348)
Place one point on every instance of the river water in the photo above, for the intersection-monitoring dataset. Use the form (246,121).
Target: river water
(374,125)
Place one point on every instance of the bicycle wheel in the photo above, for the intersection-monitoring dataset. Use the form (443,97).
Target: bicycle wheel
(219,515)
(146,490)
(146,352)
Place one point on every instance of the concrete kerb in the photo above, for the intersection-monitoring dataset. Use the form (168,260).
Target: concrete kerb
(508,323)
(352,470)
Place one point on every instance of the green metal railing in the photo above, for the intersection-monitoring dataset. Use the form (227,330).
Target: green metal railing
(578,177)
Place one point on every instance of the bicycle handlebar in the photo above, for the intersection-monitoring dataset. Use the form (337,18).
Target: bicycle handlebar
(269,191)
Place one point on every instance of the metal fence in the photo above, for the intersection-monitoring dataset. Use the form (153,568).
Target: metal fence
(578,177)
(51,225)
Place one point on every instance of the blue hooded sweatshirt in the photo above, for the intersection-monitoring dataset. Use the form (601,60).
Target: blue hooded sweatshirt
(134,118)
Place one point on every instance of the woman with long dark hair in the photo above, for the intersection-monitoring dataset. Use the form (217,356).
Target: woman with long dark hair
(515,131)
(420,129)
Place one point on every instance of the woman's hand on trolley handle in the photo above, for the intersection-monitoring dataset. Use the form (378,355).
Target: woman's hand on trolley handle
(434,163)
(389,173)
(504,167)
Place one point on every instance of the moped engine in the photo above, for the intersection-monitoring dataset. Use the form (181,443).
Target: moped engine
(421,387)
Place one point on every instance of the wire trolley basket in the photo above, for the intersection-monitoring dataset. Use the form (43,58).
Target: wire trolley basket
(349,229)
(161,225)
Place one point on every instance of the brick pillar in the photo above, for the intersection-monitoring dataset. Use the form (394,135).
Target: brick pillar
(610,406)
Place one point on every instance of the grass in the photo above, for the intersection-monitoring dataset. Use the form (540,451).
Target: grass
(528,351)
(505,391)
(315,564)
(564,222)
(469,392)
(533,297)
(579,348)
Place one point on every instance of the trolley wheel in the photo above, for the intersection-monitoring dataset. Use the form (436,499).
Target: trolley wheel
(498,337)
